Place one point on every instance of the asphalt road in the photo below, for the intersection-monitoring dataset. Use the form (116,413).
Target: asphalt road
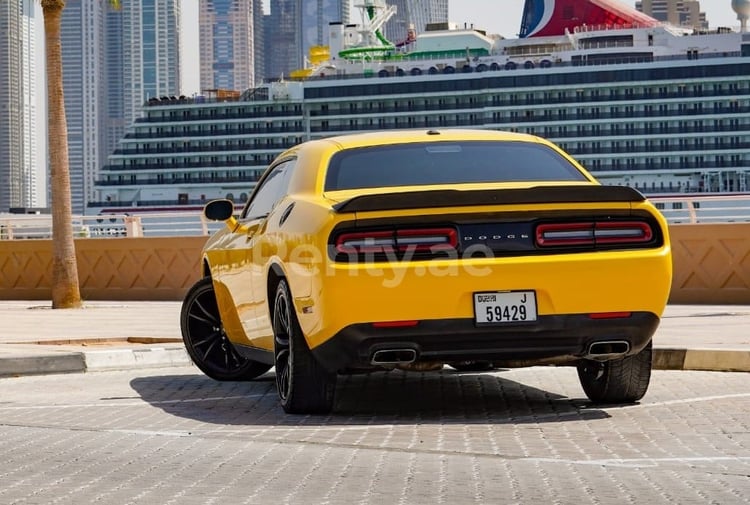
(173,436)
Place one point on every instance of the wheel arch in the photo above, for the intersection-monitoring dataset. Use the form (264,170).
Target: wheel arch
(205,268)
(275,275)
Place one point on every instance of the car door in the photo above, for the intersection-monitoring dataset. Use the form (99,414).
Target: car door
(242,275)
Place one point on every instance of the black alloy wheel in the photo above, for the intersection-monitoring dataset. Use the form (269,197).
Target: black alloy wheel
(623,380)
(205,339)
(303,385)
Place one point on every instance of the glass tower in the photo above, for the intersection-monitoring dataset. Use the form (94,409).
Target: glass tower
(18,135)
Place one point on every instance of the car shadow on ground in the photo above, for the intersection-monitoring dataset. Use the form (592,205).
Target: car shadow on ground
(395,397)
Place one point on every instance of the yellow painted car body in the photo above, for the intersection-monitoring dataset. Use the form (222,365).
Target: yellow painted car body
(347,310)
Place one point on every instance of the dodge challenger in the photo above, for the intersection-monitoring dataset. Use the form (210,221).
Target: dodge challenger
(425,248)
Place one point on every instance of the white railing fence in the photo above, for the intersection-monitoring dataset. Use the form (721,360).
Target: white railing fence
(680,209)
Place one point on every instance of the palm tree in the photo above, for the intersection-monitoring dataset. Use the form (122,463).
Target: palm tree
(65,288)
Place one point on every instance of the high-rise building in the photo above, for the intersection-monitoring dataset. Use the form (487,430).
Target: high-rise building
(18,135)
(283,39)
(293,27)
(113,61)
(151,52)
(85,90)
(227,43)
(259,58)
(685,13)
(414,13)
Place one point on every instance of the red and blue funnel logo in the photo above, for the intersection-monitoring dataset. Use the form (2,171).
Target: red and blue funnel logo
(543,18)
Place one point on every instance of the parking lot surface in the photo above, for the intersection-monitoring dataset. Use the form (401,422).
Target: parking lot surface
(174,436)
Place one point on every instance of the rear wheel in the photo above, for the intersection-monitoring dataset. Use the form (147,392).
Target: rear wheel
(623,380)
(304,386)
(205,339)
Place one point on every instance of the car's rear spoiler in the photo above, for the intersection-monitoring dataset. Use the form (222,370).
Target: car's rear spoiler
(458,198)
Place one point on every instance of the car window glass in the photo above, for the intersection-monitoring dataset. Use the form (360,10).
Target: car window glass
(272,189)
(425,163)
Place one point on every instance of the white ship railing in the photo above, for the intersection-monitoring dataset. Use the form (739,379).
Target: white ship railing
(678,209)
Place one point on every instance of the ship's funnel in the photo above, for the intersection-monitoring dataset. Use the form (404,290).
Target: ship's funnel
(543,18)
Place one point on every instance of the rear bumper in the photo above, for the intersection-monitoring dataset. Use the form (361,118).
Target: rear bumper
(557,339)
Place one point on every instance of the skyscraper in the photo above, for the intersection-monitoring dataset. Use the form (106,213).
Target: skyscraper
(151,52)
(296,25)
(416,13)
(85,89)
(17,105)
(227,43)
(685,13)
(113,61)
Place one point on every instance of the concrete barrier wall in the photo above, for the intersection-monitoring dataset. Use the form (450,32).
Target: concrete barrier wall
(711,266)
(711,263)
(108,269)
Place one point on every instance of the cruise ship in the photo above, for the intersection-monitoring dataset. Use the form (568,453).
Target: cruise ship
(639,103)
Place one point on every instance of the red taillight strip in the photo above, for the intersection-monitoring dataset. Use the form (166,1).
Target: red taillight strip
(623,232)
(593,233)
(380,242)
(562,234)
(366,242)
(428,239)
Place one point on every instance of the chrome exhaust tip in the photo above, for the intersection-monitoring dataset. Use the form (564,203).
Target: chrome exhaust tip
(607,350)
(393,356)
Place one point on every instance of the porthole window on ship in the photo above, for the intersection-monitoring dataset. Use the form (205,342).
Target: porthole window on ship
(243,197)
(230,196)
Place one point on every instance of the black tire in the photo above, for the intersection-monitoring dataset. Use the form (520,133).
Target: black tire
(472,366)
(205,339)
(303,385)
(623,380)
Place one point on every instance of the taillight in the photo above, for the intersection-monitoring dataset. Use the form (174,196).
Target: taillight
(376,242)
(406,240)
(593,233)
(433,240)
(562,234)
(623,233)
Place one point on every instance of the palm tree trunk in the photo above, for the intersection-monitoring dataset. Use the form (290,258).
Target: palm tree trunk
(65,289)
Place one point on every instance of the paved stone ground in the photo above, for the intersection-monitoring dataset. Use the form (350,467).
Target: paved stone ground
(173,436)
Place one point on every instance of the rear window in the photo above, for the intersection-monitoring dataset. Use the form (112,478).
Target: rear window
(426,163)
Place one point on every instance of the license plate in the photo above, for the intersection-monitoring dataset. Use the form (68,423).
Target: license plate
(503,307)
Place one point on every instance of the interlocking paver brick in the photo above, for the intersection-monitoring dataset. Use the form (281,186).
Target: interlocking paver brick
(173,436)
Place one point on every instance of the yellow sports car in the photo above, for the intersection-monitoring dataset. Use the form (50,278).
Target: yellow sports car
(416,249)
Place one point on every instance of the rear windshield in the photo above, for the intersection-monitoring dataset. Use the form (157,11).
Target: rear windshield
(426,163)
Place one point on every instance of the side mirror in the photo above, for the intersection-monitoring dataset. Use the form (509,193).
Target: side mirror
(219,210)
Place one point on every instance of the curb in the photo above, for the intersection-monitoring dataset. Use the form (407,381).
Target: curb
(94,361)
(126,359)
(40,365)
(714,360)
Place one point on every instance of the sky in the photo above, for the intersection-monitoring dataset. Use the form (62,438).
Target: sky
(494,16)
